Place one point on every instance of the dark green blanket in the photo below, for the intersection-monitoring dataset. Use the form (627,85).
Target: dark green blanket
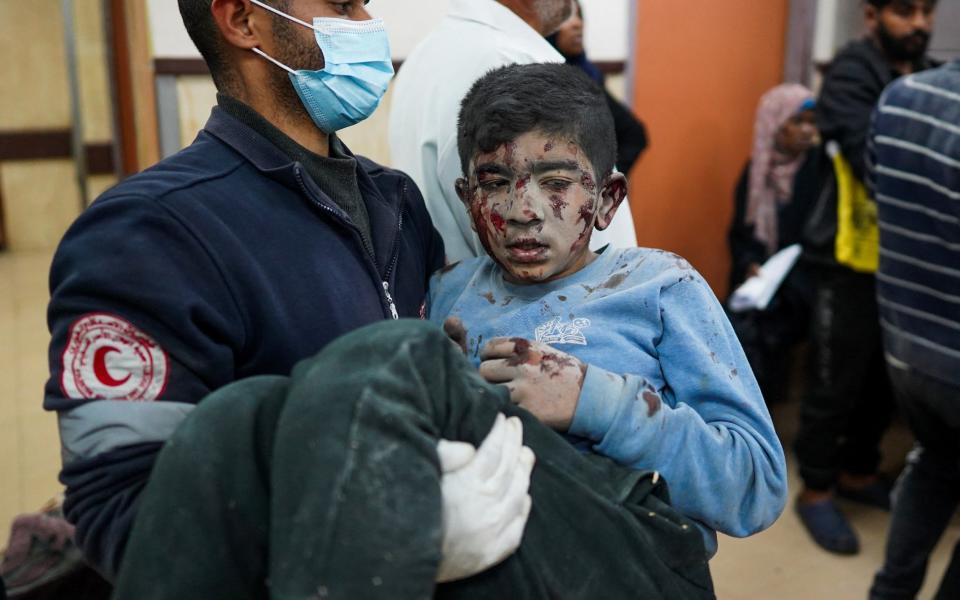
(327,485)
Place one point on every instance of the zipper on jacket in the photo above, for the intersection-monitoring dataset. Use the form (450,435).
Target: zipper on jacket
(391,305)
(392,266)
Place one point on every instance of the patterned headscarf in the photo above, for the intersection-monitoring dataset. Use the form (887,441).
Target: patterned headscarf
(771,172)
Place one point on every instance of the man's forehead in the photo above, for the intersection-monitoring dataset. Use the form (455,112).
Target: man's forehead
(912,4)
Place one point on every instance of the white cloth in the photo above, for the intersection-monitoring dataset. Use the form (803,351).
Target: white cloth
(757,292)
(475,37)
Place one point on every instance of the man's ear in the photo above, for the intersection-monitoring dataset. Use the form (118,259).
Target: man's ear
(463,192)
(612,193)
(239,24)
(871,16)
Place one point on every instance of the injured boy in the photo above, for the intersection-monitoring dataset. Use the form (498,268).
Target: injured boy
(627,353)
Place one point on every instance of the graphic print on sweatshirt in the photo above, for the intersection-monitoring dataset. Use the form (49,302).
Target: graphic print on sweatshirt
(555,331)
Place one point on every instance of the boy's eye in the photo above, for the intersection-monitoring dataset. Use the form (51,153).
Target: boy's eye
(491,185)
(558,185)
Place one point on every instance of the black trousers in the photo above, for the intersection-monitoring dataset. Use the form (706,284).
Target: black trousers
(928,493)
(769,337)
(327,485)
(849,404)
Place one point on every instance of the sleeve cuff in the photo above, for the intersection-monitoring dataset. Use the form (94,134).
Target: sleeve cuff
(598,405)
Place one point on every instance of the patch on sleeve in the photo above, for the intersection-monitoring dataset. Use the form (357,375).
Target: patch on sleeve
(108,358)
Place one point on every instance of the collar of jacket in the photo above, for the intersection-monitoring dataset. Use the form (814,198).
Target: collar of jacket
(383,191)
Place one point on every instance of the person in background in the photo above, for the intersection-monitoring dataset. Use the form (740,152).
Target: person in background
(477,36)
(772,199)
(850,401)
(915,172)
(632,137)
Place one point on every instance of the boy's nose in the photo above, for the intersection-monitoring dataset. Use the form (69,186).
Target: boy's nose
(524,209)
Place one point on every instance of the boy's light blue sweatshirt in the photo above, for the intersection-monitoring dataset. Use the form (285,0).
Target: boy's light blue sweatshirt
(667,387)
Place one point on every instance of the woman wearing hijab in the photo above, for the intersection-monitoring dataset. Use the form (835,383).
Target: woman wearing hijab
(631,133)
(773,198)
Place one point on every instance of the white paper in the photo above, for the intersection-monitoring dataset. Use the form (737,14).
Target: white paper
(757,292)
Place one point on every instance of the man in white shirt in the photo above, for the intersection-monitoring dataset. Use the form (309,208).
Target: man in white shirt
(475,37)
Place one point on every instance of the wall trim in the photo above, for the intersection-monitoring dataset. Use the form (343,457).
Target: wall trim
(54,144)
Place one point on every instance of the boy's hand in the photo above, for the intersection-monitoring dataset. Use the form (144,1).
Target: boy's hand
(541,379)
(454,329)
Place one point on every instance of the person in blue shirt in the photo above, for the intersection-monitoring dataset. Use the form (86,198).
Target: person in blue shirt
(627,353)
(913,168)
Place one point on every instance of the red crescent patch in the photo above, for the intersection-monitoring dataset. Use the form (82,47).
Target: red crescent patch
(108,358)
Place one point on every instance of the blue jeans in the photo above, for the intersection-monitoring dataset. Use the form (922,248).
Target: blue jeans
(928,491)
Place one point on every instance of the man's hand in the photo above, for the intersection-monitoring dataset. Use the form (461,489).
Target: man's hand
(542,380)
(485,499)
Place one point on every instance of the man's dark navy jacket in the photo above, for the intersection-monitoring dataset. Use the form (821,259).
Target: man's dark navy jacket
(222,262)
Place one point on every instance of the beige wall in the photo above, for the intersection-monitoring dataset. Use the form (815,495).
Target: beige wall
(40,200)
(41,197)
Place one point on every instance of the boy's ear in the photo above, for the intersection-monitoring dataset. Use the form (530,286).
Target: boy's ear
(463,192)
(611,195)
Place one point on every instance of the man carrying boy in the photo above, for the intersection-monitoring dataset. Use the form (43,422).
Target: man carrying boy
(331,481)
(650,373)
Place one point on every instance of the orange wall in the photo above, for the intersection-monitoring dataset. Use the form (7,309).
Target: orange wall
(701,67)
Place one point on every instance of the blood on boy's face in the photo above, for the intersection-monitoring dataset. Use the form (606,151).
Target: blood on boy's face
(534,203)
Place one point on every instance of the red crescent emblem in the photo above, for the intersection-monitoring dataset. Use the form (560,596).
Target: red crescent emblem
(100,367)
(108,358)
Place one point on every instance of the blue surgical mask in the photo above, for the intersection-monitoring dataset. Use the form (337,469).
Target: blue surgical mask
(357,71)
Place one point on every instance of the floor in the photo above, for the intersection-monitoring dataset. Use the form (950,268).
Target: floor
(780,563)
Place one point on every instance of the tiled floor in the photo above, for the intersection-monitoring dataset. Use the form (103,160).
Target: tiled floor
(780,563)
(783,564)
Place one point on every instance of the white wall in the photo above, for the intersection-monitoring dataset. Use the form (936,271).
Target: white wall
(168,37)
(946,38)
(607,26)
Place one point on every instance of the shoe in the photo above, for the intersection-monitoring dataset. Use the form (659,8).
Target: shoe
(828,527)
(42,561)
(40,550)
(876,494)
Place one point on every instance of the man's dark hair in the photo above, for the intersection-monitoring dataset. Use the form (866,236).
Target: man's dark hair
(555,99)
(206,37)
(884,3)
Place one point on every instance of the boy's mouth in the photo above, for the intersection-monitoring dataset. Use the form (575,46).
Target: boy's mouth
(527,250)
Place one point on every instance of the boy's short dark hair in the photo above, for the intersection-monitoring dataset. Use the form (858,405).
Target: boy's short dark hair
(555,99)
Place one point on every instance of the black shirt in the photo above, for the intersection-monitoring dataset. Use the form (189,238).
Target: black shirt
(336,175)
